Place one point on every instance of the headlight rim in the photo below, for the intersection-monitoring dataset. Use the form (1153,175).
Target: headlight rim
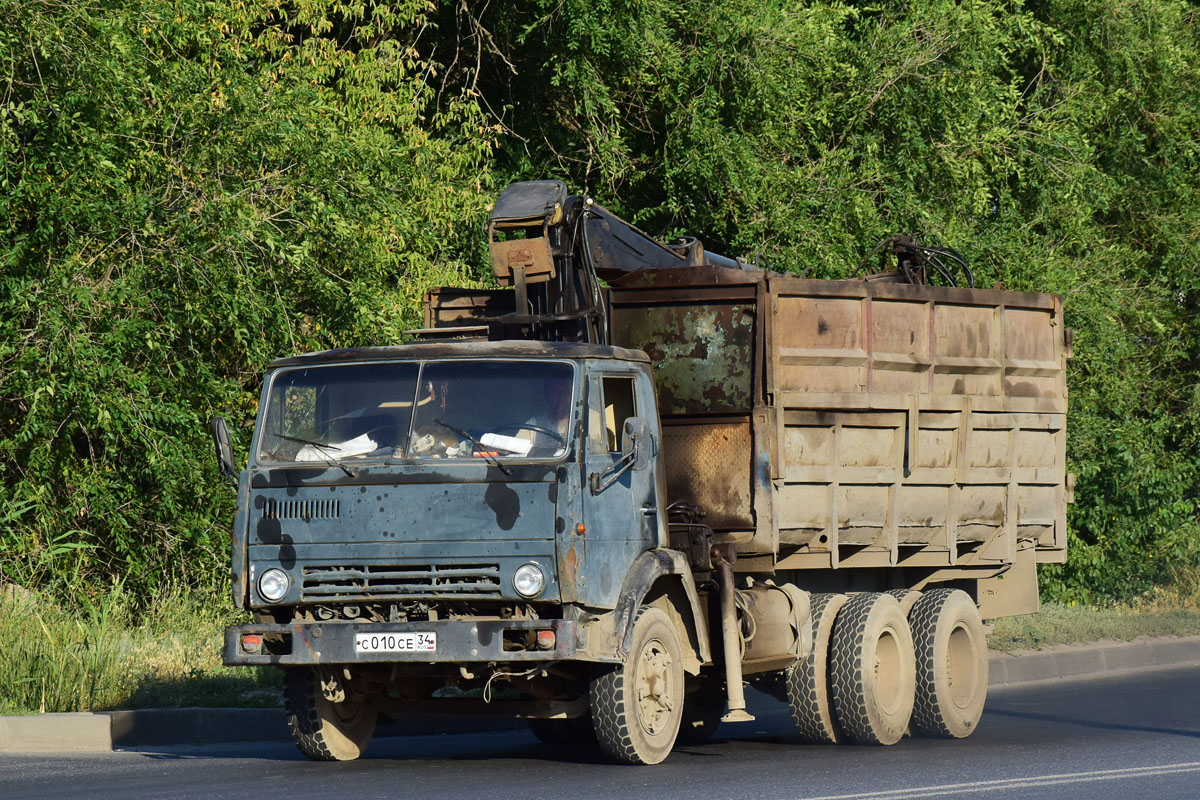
(286,583)
(541,580)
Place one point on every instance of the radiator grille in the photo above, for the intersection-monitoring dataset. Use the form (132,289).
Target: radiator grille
(302,509)
(390,582)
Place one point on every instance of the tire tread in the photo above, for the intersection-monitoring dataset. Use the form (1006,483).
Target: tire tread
(807,683)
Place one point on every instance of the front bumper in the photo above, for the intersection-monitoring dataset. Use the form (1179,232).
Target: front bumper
(306,643)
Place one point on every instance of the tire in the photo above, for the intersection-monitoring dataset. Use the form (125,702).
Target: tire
(702,710)
(637,706)
(322,729)
(952,664)
(872,670)
(907,598)
(807,683)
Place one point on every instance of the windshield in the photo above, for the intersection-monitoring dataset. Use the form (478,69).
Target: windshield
(463,409)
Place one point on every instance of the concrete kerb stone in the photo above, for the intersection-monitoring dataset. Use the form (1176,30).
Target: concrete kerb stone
(103,731)
(1006,669)
(56,733)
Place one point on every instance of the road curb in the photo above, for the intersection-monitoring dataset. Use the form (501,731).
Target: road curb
(104,731)
(1008,669)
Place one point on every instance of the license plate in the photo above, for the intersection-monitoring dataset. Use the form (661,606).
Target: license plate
(395,642)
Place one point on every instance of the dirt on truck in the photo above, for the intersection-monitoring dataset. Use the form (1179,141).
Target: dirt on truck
(636,477)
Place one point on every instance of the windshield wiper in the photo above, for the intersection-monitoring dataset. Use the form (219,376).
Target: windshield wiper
(329,459)
(478,445)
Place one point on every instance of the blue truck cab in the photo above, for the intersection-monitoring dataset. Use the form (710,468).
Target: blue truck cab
(418,524)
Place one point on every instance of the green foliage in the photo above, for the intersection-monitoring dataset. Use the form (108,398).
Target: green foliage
(188,190)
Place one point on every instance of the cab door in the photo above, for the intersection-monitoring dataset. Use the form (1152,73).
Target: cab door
(620,510)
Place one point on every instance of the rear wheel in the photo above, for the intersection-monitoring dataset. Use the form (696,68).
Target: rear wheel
(952,664)
(872,670)
(637,706)
(327,721)
(907,598)
(807,683)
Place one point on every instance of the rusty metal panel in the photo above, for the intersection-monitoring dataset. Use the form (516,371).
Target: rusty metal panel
(703,353)
(446,306)
(531,256)
(709,464)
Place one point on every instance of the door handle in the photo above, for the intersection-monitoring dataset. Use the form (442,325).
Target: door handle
(649,511)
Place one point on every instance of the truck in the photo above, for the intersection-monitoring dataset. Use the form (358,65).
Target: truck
(635,478)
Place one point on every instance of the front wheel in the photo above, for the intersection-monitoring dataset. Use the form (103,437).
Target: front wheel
(637,706)
(327,722)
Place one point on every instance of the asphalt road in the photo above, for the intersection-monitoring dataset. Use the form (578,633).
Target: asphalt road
(1119,737)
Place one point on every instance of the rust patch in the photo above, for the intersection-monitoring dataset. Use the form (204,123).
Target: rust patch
(703,353)
(569,570)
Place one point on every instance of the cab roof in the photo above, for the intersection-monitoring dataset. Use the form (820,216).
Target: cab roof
(424,350)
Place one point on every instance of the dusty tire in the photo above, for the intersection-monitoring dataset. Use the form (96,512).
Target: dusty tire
(907,598)
(702,710)
(807,683)
(952,664)
(324,730)
(637,706)
(872,672)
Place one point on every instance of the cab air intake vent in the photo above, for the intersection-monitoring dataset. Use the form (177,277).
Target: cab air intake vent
(400,581)
(302,509)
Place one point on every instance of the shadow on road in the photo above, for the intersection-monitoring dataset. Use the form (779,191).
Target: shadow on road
(1091,723)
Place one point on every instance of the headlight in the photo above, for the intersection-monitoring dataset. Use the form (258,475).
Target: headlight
(528,580)
(273,584)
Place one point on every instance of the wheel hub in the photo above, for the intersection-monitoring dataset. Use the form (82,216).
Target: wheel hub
(655,694)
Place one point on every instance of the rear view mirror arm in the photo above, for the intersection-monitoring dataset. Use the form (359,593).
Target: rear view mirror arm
(220,434)
(600,481)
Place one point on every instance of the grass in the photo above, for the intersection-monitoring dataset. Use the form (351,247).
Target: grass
(1170,610)
(104,653)
(1058,624)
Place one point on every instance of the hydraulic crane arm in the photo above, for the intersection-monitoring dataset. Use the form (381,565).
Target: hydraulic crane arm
(554,249)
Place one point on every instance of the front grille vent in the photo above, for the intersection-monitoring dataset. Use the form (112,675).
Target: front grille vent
(302,509)
(395,582)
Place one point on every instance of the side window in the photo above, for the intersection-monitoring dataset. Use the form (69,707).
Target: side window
(597,436)
(618,407)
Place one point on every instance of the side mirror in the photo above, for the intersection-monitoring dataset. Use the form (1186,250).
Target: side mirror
(220,435)
(636,439)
